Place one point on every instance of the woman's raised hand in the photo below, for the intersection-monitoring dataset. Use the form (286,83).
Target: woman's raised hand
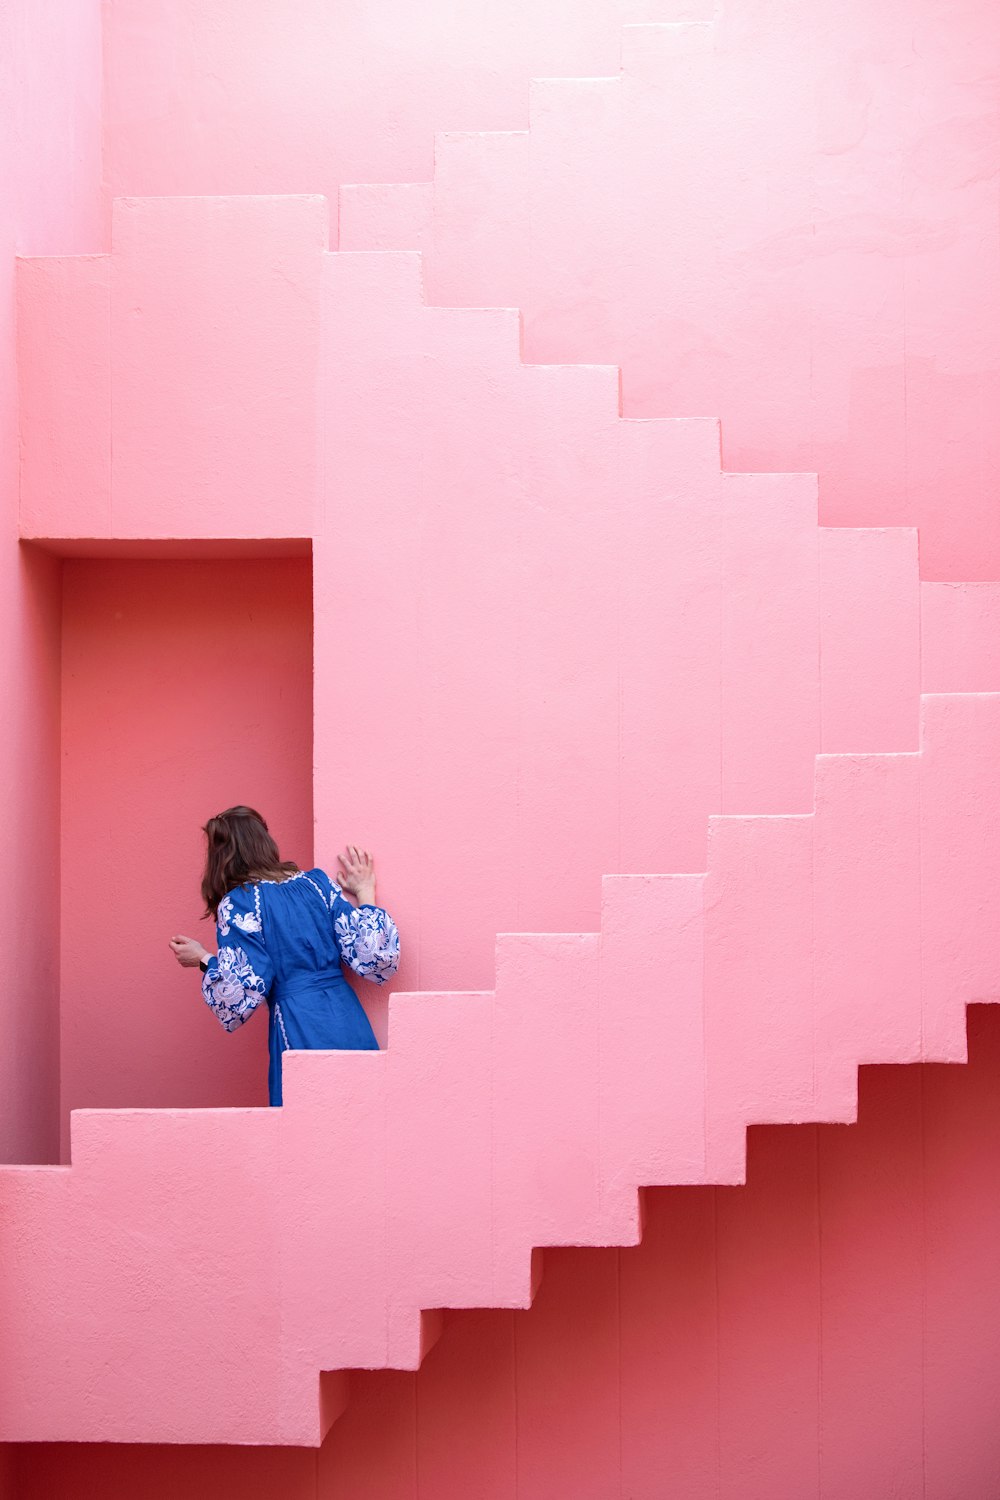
(187,951)
(356,875)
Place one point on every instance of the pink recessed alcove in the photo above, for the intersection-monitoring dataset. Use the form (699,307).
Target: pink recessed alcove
(186,688)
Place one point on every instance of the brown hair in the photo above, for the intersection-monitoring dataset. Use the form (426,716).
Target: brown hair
(240,850)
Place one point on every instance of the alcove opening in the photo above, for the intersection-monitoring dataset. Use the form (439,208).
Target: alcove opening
(186,687)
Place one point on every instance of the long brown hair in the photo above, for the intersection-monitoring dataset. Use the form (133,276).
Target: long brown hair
(240,849)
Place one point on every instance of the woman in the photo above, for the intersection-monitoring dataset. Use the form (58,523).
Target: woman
(284,935)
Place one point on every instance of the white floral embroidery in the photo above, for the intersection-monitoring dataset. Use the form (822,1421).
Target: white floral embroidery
(369,942)
(245,921)
(233,990)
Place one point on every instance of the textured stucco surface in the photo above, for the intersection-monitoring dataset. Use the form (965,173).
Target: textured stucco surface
(830,1331)
(50,203)
(572,674)
(783,215)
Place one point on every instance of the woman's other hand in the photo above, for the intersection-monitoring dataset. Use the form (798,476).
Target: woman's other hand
(187,951)
(356,875)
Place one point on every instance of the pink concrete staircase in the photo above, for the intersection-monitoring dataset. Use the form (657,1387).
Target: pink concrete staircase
(496,1123)
(842,911)
(710,591)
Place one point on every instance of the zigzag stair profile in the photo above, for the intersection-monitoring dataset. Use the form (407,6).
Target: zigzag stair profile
(854,928)
(677,218)
(716,590)
(600,1064)
(533,217)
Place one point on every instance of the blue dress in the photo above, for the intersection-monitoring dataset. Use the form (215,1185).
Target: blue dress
(283,943)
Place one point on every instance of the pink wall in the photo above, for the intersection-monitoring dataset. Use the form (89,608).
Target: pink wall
(601,1062)
(265,98)
(50,82)
(187,687)
(781,217)
(578,632)
(831,1330)
(158,334)
(769,218)
(773,218)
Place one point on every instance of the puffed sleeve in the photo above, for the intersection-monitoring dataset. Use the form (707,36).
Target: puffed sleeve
(366,936)
(236,982)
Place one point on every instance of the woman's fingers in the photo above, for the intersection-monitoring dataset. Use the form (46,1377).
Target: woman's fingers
(183,949)
(355,862)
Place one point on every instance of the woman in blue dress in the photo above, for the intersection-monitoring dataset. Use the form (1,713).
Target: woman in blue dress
(284,935)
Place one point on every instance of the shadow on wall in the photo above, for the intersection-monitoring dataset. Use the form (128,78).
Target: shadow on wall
(186,687)
(29,896)
(832,1329)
